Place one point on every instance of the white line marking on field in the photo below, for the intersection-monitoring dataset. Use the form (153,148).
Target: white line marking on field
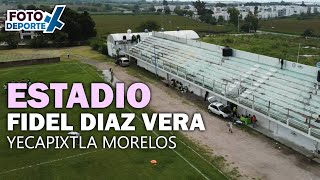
(77,155)
(202,157)
(194,167)
(158,135)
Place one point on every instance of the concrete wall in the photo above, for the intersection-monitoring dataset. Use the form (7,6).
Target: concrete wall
(29,62)
(283,134)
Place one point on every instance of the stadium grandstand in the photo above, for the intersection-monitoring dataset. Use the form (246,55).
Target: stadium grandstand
(282,99)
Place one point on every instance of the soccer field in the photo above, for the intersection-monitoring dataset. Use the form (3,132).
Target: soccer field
(182,163)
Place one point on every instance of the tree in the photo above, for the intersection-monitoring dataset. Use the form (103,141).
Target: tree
(87,25)
(20,6)
(31,7)
(100,45)
(39,41)
(152,9)
(200,6)
(58,38)
(189,13)
(220,19)
(11,38)
(167,10)
(219,4)
(107,7)
(207,18)
(303,4)
(256,11)
(136,8)
(79,27)
(179,11)
(45,8)
(165,3)
(251,22)
(234,15)
(150,25)
(308,33)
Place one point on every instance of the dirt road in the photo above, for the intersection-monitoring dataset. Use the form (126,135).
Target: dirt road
(255,156)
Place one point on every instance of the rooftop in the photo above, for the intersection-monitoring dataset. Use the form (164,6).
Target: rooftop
(288,96)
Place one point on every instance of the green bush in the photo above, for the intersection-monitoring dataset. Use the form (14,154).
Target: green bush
(39,42)
(228,40)
(99,45)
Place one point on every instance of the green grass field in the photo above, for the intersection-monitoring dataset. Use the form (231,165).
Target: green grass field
(277,46)
(9,55)
(107,24)
(291,25)
(183,163)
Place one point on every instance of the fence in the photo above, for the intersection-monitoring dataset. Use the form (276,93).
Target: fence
(29,62)
(272,109)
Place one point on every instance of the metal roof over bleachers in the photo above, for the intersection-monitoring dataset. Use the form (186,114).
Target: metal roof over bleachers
(286,96)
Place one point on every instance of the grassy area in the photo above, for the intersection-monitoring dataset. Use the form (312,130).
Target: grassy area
(115,164)
(291,25)
(107,24)
(25,54)
(272,45)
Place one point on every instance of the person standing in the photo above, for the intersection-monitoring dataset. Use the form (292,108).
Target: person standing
(230,126)
(5,87)
(111,74)
(281,62)
(318,119)
(254,121)
(234,111)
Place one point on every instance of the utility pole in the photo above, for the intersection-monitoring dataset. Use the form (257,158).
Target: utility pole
(239,18)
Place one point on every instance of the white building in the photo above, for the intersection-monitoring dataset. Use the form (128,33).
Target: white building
(124,41)
(265,12)
(218,11)
(27,35)
(281,99)
(171,7)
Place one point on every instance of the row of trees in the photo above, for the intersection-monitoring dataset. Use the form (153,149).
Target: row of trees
(183,12)
(78,27)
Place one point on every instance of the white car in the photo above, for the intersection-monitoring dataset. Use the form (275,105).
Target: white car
(220,109)
(123,61)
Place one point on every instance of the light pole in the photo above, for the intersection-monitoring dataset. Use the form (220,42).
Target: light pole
(156,57)
(298,54)
(239,23)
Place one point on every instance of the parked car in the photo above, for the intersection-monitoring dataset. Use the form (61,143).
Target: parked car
(123,61)
(220,110)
